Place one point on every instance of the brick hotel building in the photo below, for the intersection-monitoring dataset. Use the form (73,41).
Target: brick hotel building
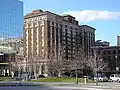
(45,31)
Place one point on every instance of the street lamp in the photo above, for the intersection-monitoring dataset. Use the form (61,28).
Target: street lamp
(96,64)
(26,61)
(96,49)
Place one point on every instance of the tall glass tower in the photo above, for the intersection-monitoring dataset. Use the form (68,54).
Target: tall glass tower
(11,19)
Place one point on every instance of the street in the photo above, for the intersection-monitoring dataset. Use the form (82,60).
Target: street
(60,86)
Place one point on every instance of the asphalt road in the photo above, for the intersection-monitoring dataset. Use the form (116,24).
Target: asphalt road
(59,86)
(42,88)
(26,88)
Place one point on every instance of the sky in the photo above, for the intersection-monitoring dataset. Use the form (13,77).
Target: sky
(104,15)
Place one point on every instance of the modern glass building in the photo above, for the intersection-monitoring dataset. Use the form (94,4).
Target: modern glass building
(11,19)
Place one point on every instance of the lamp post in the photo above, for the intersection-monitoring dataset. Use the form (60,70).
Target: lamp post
(96,65)
(26,61)
(96,49)
(96,72)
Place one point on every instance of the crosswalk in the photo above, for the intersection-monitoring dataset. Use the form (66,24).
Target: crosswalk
(80,88)
(85,87)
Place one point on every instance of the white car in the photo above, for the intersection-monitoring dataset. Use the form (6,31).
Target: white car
(115,77)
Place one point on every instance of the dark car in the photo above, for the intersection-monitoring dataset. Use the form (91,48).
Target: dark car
(88,77)
(41,76)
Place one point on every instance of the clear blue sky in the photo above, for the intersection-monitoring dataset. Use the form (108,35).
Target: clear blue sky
(106,29)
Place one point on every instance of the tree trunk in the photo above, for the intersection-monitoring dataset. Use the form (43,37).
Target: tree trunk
(59,74)
(94,71)
(76,76)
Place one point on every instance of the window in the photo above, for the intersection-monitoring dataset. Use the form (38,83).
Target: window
(114,51)
(109,52)
(70,20)
(56,24)
(76,29)
(98,52)
(60,26)
(66,26)
(109,57)
(26,26)
(31,24)
(104,58)
(71,27)
(119,57)
(118,51)
(104,52)
(113,57)
(52,23)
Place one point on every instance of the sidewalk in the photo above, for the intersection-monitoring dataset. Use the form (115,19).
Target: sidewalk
(18,83)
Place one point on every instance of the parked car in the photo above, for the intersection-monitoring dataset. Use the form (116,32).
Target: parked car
(101,78)
(115,77)
(88,77)
(41,76)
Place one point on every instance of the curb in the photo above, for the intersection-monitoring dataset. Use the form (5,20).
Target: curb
(18,84)
(3,84)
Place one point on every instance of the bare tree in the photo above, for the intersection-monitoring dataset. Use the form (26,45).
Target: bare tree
(78,62)
(34,62)
(60,61)
(96,63)
(57,64)
(30,66)
(17,63)
(52,67)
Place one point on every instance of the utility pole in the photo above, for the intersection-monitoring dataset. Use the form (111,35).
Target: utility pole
(96,57)
(76,76)
(95,52)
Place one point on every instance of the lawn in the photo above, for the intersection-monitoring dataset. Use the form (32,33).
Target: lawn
(61,79)
(6,78)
